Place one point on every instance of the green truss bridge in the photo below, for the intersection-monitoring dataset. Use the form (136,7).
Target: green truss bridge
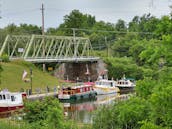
(44,49)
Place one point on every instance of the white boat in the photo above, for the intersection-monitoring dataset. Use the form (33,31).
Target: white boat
(11,101)
(126,84)
(105,86)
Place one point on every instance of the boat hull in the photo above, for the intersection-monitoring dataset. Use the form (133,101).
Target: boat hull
(103,91)
(126,89)
(10,108)
(80,96)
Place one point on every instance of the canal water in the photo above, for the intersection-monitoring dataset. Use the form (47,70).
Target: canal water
(84,111)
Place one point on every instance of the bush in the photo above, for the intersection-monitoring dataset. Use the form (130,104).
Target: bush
(5,58)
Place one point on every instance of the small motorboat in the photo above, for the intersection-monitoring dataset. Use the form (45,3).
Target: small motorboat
(126,83)
(105,86)
(10,101)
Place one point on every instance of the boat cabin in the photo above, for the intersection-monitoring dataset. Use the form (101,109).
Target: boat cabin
(10,98)
(77,89)
(126,82)
(103,82)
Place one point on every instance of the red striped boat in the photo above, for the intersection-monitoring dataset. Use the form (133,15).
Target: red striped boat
(10,101)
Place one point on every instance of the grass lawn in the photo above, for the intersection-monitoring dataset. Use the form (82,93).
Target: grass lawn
(11,77)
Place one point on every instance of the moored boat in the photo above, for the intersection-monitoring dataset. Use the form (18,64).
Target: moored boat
(10,101)
(105,86)
(77,92)
(126,84)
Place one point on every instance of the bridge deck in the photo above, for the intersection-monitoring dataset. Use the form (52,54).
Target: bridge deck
(68,59)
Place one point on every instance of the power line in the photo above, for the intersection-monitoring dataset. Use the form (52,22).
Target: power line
(109,31)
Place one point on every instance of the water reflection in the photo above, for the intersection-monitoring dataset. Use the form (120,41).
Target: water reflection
(83,111)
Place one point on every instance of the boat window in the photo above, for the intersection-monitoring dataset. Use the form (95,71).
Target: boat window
(8,96)
(3,96)
(12,98)
(111,84)
(103,83)
(98,83)
(0,97)
(107,83)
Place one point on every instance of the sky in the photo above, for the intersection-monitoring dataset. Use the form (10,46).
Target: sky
(28,11)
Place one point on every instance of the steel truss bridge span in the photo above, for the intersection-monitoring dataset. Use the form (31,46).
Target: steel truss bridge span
(42,49)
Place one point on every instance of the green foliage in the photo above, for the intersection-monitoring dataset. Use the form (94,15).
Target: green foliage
(144,88)
(77,20)
(117,67)
(55,116)
(136,49)
(152,54)
(164,26)
(149,125)
(22,29)
(143,24)
(120,25)
(99,35)
(7,124)
(29,29)
(161,106)
(47,112)
(103,118)
(126,114)
(5,58)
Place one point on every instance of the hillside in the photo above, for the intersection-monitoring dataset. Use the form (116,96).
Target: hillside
(12,77)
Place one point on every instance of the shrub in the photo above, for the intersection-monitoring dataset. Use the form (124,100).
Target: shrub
(5,58)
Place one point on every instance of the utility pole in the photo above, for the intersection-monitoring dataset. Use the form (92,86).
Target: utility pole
(0,74)
(0,9)
(43,40)
(30,81)
(107,46)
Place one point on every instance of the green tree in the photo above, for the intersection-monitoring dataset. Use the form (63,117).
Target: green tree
(29,29)
(77,20)
(144,88)
(124,115)
(100,35)
(120,25)
(161,106)
(117,67)
(153,52)
(45,113)
(164,26)
(134,24)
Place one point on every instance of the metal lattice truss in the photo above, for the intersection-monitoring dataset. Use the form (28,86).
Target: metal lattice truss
(38,48)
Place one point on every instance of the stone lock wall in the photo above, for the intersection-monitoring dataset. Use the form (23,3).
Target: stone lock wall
(81,71)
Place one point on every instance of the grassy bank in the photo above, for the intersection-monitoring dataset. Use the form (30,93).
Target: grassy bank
(11,76)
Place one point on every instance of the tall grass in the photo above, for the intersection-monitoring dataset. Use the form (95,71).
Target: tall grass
(7,124)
